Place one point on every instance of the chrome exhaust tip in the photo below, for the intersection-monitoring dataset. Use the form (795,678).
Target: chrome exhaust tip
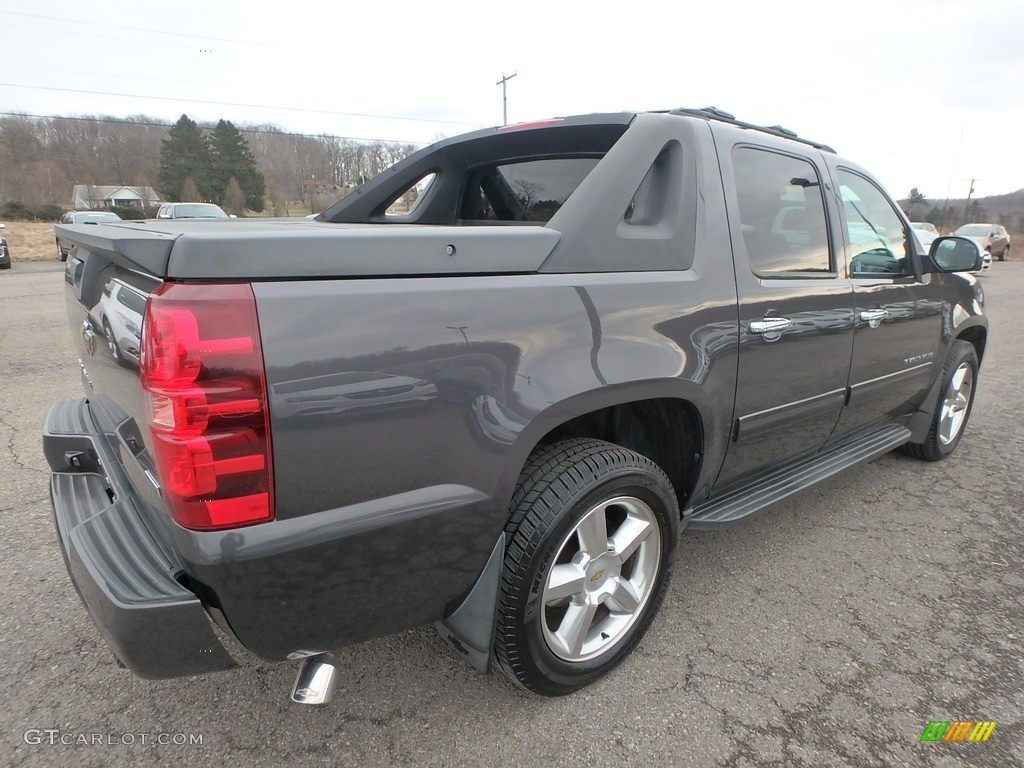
(317,679)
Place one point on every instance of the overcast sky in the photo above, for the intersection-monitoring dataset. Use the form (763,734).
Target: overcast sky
(925,93)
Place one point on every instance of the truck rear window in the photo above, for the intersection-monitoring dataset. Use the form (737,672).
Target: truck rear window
(529,191)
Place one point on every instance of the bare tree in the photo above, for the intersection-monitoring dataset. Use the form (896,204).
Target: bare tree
(234,197)
(526,192)
(189,191)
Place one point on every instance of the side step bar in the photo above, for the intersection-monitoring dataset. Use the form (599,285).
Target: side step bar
(731,507)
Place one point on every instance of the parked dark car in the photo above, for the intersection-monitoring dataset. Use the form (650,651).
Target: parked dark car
(5,253)
(993,238)
(82,217)
(493,410)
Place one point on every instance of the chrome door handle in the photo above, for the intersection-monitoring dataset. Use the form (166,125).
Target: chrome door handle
(769,325)
(873,317)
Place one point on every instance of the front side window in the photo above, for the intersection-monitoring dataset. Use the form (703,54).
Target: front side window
(782,214)
(878,240)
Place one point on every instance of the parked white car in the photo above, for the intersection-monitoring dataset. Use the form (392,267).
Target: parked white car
(118,315)
(191,211)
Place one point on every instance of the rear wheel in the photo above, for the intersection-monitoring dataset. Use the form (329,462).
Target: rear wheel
(956,396)
(1005,254)
(592,541)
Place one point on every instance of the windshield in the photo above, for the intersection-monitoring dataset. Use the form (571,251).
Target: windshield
(974,230)
(199,211)
(92,218)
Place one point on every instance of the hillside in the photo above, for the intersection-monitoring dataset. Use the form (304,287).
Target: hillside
(42,158)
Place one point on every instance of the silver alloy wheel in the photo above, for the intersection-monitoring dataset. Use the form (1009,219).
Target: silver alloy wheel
(600,582)
(114,351)
(955,403)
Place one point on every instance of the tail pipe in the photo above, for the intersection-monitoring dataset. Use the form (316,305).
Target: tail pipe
(317,679)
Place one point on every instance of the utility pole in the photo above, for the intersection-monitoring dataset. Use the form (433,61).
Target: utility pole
(504,95)
(967,207)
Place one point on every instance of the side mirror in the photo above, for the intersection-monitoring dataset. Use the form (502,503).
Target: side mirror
(956,254)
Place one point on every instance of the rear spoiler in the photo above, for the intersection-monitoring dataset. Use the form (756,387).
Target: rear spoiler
(131,246)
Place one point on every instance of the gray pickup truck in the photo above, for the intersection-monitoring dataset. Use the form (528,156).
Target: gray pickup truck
(487,390)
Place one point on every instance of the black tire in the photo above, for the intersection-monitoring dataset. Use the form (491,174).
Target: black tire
(562,486)
(61,256)
(953,408)
(1005,254)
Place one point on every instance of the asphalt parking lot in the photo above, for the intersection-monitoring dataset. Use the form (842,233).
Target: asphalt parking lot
(829,631)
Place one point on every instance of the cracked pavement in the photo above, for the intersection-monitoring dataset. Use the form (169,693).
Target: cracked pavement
(828,631)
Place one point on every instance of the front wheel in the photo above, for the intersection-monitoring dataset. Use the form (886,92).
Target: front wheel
(956,396)
(592,542)
(1005,254)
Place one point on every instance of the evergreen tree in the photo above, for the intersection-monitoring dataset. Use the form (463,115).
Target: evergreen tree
(184,153)
(915,198)
(232,159)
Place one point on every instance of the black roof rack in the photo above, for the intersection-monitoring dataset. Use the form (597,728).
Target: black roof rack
(714,113)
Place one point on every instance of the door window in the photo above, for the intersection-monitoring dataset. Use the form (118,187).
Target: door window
(782,214)
(878,240)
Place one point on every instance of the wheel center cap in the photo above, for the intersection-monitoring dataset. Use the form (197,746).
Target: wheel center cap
(602,570)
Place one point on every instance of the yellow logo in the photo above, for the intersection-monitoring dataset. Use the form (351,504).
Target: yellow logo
(597,575)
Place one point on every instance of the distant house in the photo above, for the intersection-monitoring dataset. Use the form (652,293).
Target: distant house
(92,197)
(318,187)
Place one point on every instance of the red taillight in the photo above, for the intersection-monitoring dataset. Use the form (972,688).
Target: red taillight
(202,371)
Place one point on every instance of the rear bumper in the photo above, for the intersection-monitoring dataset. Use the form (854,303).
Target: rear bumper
(123,571)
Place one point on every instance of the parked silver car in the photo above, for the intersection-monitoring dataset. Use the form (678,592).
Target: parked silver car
(993,238)
(82,217)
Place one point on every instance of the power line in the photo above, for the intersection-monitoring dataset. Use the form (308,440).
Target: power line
(233,104)
(109,75)
(107,25)
(95,35)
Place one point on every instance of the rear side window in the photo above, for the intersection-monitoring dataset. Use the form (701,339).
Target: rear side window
(136,302)
(407,202)
(782,214)
(530,191)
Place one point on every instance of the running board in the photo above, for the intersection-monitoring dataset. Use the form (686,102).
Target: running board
(736,505)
